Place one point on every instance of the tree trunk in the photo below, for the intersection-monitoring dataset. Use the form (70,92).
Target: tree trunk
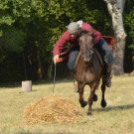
(39,64)
(115,9)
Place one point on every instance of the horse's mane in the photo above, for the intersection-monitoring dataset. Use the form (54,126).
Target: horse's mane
(83,32)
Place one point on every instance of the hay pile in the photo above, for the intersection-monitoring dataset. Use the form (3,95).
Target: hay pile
(52,109)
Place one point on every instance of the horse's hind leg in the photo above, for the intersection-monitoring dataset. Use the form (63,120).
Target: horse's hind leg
(81,90)
(95,98)
(92,96)
(103,88)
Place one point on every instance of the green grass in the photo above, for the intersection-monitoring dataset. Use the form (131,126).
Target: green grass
(117,117)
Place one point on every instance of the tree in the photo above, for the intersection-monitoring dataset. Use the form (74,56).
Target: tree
(34,26)
(12,11)
(129,28)
(115,9)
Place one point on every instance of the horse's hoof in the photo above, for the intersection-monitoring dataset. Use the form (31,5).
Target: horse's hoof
(95,98)
(83,103)
(103,103)
(89,114)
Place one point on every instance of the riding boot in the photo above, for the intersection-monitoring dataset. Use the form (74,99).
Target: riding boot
(108,75)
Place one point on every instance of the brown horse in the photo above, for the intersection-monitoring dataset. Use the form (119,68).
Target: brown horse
(89,69)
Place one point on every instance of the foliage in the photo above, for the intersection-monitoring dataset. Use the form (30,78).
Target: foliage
(28,25)
(12,11)
(12,39)
(129,22)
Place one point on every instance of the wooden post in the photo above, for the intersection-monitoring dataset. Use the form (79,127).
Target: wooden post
(26,86)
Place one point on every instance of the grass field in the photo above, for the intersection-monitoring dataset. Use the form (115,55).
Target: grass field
(117,117)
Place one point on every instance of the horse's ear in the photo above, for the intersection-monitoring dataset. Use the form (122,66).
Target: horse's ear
(91,31)
(78,33)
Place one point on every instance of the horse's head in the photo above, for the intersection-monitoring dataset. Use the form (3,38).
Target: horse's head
(85,42)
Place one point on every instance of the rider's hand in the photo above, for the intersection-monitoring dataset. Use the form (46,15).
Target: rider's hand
(56,58)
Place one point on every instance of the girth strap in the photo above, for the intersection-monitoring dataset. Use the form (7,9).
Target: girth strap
(99,57)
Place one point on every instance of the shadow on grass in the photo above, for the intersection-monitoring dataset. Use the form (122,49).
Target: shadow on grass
(120,107)
(46,133)
(21,92)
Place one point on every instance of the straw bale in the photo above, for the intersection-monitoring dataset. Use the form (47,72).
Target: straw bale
(52,109)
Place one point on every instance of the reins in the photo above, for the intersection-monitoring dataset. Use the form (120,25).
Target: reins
(77,59)
(99,57)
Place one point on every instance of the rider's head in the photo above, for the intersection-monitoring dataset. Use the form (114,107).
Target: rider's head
(73,28)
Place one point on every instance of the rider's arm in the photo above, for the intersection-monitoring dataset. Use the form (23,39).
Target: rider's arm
(96,36)
(59,46)
(56,58)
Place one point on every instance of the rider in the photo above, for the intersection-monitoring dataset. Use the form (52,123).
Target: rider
(70,36)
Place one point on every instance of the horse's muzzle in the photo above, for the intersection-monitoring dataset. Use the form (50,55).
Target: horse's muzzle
(87,58)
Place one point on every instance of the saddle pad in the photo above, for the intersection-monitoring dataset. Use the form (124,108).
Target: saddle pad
(110,41)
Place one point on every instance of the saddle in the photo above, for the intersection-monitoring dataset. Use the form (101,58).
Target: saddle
(110,41)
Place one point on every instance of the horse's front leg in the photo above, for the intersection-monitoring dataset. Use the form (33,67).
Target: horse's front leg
(91,97)
(103,88)
(81,90)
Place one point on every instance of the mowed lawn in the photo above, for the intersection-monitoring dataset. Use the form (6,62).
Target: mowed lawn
(116,118)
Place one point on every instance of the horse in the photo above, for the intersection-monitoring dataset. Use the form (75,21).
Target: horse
(90,68)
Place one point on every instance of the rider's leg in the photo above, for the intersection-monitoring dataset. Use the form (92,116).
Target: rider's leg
(71,62)
(72,58)
(108,58)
